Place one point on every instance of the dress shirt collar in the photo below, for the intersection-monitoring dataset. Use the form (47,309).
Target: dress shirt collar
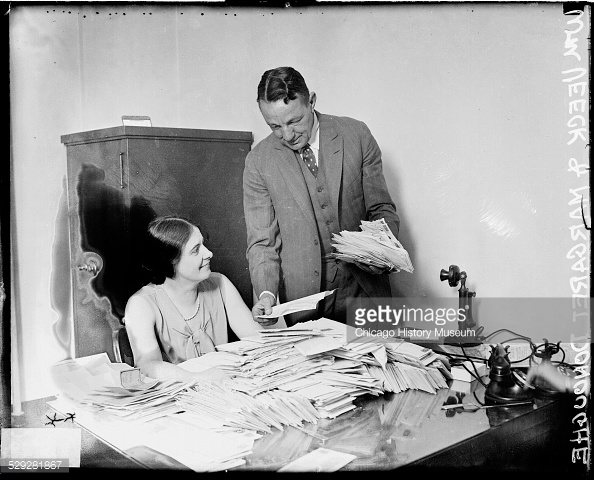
(314,139)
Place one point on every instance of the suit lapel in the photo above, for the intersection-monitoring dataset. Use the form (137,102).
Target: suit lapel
(331,146)
(291,172)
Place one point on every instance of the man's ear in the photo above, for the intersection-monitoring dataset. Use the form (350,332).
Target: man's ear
(312,100)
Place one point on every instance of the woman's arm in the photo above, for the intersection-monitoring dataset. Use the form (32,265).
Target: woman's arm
(240,316)
(140,325)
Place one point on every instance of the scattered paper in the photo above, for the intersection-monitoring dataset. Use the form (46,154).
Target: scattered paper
(220,359)
(197,447)
(320,460)
(519,354)
(79,376)
(131,378)
(481,351)
(471,372)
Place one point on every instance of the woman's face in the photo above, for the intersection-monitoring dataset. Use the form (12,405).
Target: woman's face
(194,262)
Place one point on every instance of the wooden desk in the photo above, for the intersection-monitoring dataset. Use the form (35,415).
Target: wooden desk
(408,431)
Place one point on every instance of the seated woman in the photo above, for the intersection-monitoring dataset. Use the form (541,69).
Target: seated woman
(184,312)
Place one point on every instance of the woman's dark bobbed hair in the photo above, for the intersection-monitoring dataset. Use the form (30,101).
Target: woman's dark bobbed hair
(165,240)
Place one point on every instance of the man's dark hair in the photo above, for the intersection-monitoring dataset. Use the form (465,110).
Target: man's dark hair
(282,83)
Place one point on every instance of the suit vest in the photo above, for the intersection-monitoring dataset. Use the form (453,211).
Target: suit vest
(326,218)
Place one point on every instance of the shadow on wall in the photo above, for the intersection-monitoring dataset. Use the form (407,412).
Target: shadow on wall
(110,230)
(116,233)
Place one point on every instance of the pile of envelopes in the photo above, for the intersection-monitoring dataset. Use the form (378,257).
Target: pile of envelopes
(231,408)
(374,245)
(281,378)
(314,359)
(96,384)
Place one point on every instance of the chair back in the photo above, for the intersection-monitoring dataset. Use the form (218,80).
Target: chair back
(121,346)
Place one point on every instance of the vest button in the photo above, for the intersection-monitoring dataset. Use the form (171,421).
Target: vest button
(316,273)
(323,206)
(320,189)
(316,241)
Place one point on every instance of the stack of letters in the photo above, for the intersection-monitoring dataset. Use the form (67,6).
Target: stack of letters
(314,359)
(96,384)
(281,378)
(374,245)
(220,406)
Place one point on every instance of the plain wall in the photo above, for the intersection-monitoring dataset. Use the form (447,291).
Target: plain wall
(467,102)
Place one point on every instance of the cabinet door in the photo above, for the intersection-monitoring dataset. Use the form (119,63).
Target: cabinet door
(200,179)
(99,222)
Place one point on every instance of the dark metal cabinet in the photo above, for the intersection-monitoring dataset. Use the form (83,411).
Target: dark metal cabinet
(119,179)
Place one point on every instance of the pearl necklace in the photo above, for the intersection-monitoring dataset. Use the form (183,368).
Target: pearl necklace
(195,313)
(179,311)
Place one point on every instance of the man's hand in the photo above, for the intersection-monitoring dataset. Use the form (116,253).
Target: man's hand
(551,375)
(372,269)
(264,307)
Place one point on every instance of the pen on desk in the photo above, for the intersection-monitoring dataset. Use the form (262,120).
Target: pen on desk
(478,407)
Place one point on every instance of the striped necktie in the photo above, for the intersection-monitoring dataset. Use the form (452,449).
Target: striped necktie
(310,160)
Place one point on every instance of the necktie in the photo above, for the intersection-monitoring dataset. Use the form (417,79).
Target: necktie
(310,160)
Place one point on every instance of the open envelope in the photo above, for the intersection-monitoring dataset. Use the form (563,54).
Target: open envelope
(305,303)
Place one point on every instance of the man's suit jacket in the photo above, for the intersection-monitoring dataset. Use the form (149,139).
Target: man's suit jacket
(283,249)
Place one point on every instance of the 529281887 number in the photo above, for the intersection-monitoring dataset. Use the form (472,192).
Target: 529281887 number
(34,464)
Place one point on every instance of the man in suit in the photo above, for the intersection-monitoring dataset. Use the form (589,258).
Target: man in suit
(313,176)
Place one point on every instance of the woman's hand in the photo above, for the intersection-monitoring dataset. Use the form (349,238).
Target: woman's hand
(212,375)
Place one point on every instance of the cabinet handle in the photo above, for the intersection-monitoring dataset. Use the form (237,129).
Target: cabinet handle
(89,267)
(121,169)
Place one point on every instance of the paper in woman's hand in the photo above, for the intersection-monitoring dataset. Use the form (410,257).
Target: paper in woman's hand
(305,303)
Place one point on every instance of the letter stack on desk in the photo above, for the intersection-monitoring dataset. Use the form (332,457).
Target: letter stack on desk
(230,408)
(314,360)
(94,383)
(283,378)
(411,366)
